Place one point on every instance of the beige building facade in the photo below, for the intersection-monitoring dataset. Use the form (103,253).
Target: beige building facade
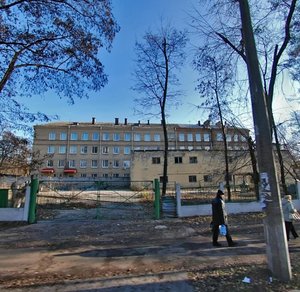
(118,149)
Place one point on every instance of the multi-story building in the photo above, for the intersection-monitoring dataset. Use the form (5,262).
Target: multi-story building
(99,149)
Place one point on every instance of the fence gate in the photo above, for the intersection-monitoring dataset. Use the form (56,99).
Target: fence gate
(87,200)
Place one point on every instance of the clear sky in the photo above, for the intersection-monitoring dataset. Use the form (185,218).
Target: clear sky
(135,17)
(115,100)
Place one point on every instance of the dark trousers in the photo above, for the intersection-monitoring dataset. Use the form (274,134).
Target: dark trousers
(289,227)
(215,230)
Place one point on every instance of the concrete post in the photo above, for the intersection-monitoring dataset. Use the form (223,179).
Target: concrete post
(277,249)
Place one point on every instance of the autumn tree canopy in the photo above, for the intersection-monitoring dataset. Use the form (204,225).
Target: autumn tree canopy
(50,45)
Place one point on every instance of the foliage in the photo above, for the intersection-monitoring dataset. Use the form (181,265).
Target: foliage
(16,155)
(51,46)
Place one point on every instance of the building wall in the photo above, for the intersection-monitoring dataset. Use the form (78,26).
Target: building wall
(192,168)
(71,145)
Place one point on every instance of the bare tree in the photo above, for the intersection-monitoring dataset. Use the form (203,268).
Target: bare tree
(51,46)
(214,91)
(159,56)
(275,27)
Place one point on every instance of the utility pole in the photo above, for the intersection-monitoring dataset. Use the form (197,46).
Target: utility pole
(276,241)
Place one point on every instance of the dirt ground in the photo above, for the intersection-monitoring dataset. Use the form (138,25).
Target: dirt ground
(68,253)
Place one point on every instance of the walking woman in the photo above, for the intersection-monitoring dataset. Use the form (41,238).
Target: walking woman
(288,209)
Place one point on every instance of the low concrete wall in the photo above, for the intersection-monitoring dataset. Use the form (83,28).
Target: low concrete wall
(232,208)
(17,214)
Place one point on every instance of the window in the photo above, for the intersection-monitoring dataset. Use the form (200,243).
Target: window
(192,178)
(50,163)
(83,163)
(198,137)
(126,164)
(206,137)
(84,136)
(127,137)
(84,149)
(181,137)
(236,138)
(74,136)
(73,149)
(105,175)
(83,175)
(137,137)
(52,136)
(105,136)
(193,159)
(116,175)
(127,150)
(116,164)
(147,137)
(243,138)
(105,150)
(155,160)
(219,137)
(116,150)
(178,159)
(62,149)
(94,149)
(94,175)
(95,136)
(72,163)
(63,136)
(51,149)
(61,163)
(105,163)
(228,138)
(171,136)
(207,178)
(157,137)
(116,137)
(94,163)
(190,137)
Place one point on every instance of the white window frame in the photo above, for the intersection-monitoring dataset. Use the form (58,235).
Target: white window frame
(84,149)
(116,137)
(137,137)
(62,149)
(63,136)
(51,149)
(95,136)
(105,136)
(127,137)
(181,137)
(147,137)
(83,163)
(116,150)
(94,163)
(190,137)
(85,136)
(127,150)
(198,137)
(156,137)
(52,136)
(73,149)
(94,149)
(105,150)
(105,163)
(74,136)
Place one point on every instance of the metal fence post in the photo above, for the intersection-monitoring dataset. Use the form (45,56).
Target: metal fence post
(32,205)
(157,199)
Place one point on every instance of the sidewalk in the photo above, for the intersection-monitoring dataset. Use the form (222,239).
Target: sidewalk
(119,256)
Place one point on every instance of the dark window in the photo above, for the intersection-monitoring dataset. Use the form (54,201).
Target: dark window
(178,159)
(192,178)
(193,159)
(155,160)
(207,178)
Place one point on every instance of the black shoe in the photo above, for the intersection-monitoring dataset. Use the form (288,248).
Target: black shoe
(231,244)
(217,244)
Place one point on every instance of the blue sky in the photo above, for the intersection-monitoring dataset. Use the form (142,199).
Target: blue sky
(135,17)
(115,100)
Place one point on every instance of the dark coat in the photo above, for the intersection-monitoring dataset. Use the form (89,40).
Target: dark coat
(219,215)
